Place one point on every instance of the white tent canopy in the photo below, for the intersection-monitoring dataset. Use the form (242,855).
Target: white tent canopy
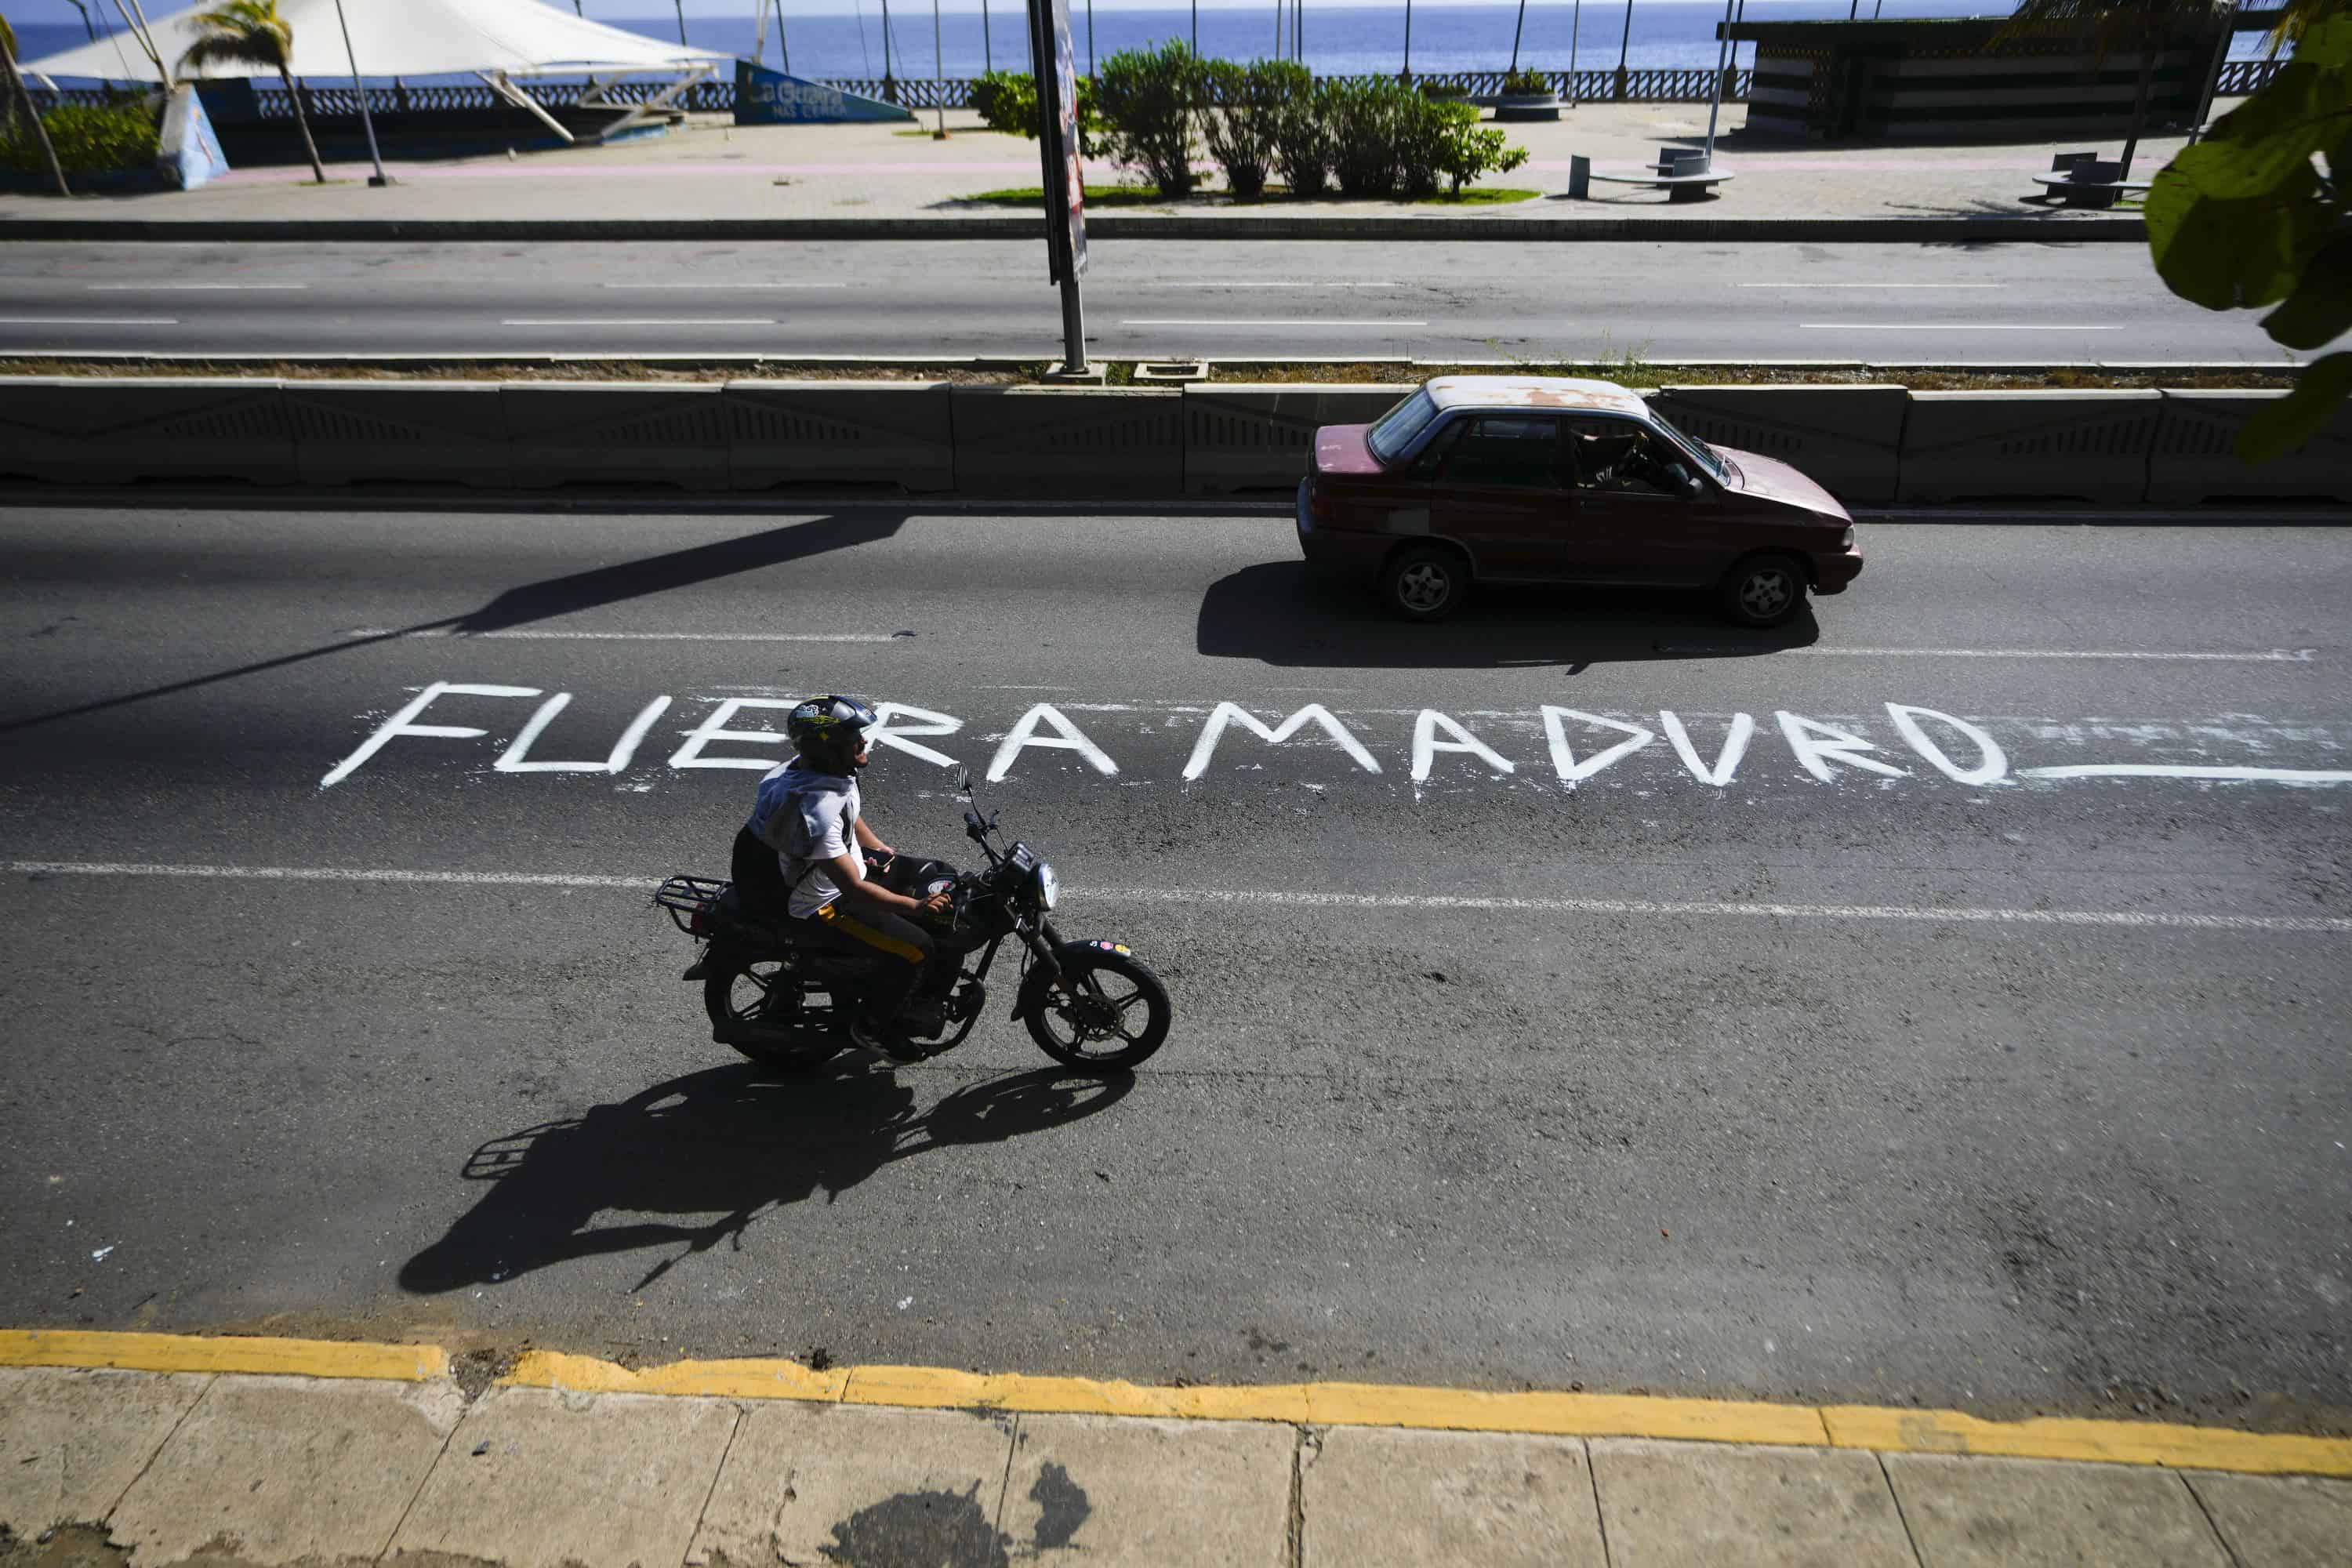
(403,38)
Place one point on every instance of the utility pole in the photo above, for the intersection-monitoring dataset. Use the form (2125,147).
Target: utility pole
(1054,70)
(938,78)
(889,85)
(359,89)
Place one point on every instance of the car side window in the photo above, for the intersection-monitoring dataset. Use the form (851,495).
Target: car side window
(1621,457)
(1431,461)
(1507,449)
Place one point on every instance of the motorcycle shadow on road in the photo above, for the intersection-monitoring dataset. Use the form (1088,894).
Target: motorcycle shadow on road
(734,1141)
(1279,613)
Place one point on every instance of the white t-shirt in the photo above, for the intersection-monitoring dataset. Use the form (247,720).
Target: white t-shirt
(807,818)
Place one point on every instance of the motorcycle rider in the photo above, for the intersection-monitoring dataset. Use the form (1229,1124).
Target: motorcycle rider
(802,856)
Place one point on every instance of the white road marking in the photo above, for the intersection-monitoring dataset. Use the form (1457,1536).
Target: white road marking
(1269,283)
(2180,771)
(640,321)
(1953,327)
(1294,324)
(709,287)
(1870,285)
(89,321)
(1277,898)
(195,288)
(2275,656)
(635,636)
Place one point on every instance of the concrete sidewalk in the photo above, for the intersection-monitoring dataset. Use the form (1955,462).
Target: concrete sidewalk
(263,1452)
(710,171)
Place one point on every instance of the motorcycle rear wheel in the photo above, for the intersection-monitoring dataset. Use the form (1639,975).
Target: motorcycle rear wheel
(735,993)
(1113,1014)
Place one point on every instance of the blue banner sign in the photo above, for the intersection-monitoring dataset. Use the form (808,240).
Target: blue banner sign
(763,97)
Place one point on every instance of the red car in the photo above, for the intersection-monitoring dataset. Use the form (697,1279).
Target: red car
(1490,478)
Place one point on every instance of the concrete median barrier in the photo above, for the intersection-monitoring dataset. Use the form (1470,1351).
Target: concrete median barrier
(1847,438)
(833,432)
(2008,445)
(87,430)
(1244,438)
(2195,458)
(563,432)
(346,431)
(1044,441)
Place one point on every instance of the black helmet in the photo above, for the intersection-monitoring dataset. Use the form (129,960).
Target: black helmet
(829,724)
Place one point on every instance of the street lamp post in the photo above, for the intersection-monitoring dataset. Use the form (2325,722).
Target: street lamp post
(359,89)
(938,78)
(1716,102)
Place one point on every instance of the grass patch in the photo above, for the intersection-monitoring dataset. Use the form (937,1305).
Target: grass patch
(1148,196)
(1096,196)
(1630,372)
(1481,196)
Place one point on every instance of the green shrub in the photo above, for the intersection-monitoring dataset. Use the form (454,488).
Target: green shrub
(1466,150)
(1151,99)
(1372,127)
(1443,90)
(1008,101)
(89,140)
(1302,137)
(1242,119)
(1525,84)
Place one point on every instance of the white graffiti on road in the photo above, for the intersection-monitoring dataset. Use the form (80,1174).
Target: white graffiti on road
(735,733)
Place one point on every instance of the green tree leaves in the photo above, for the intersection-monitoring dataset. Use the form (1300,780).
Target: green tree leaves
(2247,217)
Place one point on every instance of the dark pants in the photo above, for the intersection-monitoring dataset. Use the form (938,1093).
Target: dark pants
(880,933)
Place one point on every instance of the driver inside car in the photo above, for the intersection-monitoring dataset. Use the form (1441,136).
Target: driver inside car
(1597,458)
(802,856)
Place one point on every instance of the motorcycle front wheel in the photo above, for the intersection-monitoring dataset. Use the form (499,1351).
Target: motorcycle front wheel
(1110,1013)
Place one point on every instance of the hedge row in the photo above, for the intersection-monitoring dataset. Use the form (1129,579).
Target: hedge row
(1156,109)
(90,140)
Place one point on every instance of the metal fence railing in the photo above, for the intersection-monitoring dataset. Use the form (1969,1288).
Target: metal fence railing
(2238,79)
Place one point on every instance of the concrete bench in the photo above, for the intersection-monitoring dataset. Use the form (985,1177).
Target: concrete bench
(2085,180)
(1683,174)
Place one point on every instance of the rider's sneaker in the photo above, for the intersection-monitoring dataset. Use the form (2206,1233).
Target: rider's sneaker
(924,1016)
(877,1042)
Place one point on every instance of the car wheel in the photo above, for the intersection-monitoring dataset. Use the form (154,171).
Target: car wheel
(1764,590)
(1425,583)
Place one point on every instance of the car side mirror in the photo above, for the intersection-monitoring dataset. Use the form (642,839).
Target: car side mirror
(1693,490)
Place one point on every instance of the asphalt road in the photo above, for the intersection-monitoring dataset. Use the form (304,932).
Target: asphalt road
(1901,304)
(1969,1082)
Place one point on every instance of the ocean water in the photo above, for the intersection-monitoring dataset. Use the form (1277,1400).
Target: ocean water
(1341,40)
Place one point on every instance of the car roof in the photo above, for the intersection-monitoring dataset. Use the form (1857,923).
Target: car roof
(1532,392)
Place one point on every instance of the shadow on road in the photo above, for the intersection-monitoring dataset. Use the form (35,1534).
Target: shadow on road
(555,596)
(1279,614)
(731,1141)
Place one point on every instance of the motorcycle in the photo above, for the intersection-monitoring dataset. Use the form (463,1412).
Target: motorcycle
(1090,1004)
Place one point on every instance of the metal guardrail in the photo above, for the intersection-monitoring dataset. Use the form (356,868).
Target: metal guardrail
(2239,78)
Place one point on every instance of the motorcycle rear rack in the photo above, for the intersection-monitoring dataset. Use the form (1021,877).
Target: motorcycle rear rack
(692,902)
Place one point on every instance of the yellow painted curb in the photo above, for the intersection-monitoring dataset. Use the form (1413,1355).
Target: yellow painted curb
(944,1388)
(1563,1414)
(192,1352)
(1883,1430)
(717,1379)
(2100,1442)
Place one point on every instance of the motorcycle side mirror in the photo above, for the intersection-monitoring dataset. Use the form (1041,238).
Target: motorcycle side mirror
(964,780)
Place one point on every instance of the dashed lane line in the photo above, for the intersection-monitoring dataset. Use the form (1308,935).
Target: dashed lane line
(1280,898)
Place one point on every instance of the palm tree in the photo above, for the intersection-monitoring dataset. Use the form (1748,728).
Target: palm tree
(18,95)
(252,33)
(2143,26)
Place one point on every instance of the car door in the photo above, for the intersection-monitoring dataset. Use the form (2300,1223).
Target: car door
(1504,492)
(1635,518)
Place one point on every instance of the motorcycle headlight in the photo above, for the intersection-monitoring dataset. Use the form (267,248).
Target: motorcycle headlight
(1049,886)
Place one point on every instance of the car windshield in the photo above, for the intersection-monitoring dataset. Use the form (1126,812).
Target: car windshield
(1705,453)
(1400,426)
